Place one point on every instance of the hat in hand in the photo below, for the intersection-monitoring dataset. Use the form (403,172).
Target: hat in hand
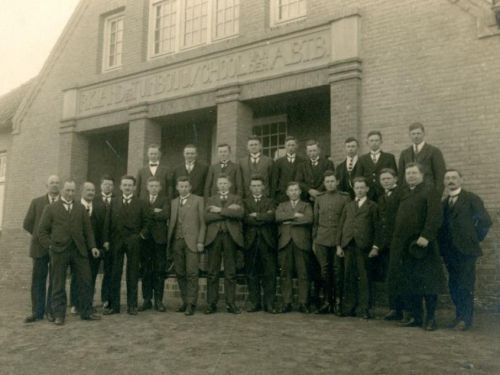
(416,251)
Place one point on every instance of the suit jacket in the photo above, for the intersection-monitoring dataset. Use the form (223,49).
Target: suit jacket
(197,178)
(195,230)
(123,222)
(283,173)
(370,170)
(345,178)
(387,210)
(59,228)
(311,177)
(232,170)
(262,225)
(432,160)
(294,229)
(328,208)
(358,224)
(231,218)
(98,220)
(263,168)
(158,223)
(144,173)
(465,225)
(31,223)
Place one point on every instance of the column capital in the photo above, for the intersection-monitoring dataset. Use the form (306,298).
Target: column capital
(139,111)
(226,94)
(345,69)
(68,126)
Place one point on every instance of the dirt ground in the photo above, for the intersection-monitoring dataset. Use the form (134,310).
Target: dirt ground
(250,343)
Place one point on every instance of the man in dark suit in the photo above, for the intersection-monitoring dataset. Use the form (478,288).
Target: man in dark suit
(154,249)
(223,216)
(466,223)
(186,237)
(126,225)
(388,204)
(355,240)
(256,164)
(260,247)
(154,169)
(430,157)
(66,231)
(310,173)
(328,209)
(349,168)
(40,297)
(295,219)
(226,167)
(97,214)
(285,169)
(373,162)
(194,169)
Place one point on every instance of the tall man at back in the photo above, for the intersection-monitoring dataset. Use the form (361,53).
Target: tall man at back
(256,164)
(349,168)
(154,168)
(226,167)
(285,169)
(194,169)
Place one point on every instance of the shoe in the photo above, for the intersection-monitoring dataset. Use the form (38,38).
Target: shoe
(462,326)
(411,322)
(159,306)
(50,317)
(326,308)
(189,310)
(132,310)
(74,311)
(146,305)
(367,314)
(431,325)
(31,319)
(338,310)
(254,308)
(59,321)
(182,308)
(91,317)
(286,308)
(211,309)
(110,311)
(232,309)
(105,305)
(394,315)
(303,308)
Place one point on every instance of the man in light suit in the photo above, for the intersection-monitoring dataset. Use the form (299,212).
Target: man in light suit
(186,237)
(256,164)
(226,167)
(295,218)
(223,216)
(154,169)
(285,169)
(40,297)
(428,156)
(66,231)
(194,169)
(465,224)
(371,163)
(349,168)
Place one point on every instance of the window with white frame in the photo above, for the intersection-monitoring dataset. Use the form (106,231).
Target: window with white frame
(180,24)
(287,10)
(272,132)
(113,42)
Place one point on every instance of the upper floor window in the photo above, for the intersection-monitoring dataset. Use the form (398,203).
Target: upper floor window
(113,42)
(287,10)
(180,24)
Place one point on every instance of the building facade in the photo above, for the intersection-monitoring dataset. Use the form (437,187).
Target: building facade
(127,73)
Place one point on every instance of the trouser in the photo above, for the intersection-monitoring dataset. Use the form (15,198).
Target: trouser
(461,282)
(130,248)
(59,262)
(225,248)
(107,263)
(40,295)
(331,273)
(186,265)
(73,289)
(260,262)
(154,260)
(415,306)
(293,258)
(358,288)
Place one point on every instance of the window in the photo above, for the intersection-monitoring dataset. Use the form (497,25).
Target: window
(180,24)
(113,42)
(272,132)
(287,10)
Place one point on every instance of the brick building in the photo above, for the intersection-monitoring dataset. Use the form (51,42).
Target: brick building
(126,73)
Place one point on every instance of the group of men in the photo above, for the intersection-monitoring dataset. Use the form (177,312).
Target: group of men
(338,230)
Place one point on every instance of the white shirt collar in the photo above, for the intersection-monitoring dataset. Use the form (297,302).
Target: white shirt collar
(185,197)
(153,196)
(376,152)
(85,203)
(291,156)
(419,146)
(106,195)
(53,199)
(455,193)
(154,162)
(314,160)
(65,201)
(353,158)
(361,201)
(127,197)
(255,156)
(257,196)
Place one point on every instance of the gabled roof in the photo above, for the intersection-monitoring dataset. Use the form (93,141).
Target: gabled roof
(10,102)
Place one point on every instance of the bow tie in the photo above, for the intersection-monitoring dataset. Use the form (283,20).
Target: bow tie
(154,164)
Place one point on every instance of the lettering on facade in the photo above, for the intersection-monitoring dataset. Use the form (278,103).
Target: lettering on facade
(273,58)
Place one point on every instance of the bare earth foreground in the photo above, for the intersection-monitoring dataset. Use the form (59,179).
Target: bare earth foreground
(257,343)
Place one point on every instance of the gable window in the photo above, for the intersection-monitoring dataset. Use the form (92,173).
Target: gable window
(113,42)
(287,10)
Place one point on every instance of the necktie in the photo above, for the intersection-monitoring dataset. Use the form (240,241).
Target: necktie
(257,200)
(358,202)
(388,193)
(183,201)
(314,163)
(152,199)
(255,160)
(374,158)
(350,165)
(107,200)
(67,205)
(88,210)
(294,203)
(153,164)
(452,200)
(126,201)
(223,165)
